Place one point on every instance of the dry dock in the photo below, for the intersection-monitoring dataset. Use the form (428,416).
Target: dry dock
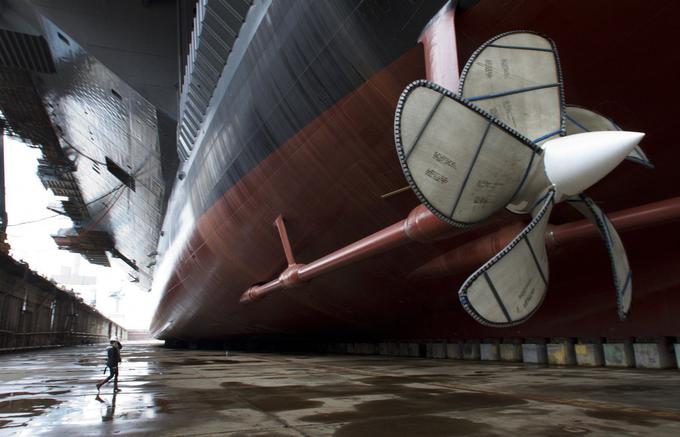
(191,392)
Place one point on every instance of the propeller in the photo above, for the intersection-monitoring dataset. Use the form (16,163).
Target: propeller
(507,140)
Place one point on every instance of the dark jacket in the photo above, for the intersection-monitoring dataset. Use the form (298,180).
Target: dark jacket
(113,356)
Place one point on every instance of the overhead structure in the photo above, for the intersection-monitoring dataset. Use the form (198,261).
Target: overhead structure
(501,142)
(216,26)
(100,141)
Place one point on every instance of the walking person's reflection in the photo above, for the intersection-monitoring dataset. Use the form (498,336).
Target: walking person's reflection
(108,409)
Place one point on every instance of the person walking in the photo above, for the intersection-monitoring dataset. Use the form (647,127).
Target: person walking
(112,360)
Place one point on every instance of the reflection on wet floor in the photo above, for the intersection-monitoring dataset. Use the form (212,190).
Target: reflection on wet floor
(108,408)
(189,392)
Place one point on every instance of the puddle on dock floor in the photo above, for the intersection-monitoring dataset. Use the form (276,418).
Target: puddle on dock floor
(189,392)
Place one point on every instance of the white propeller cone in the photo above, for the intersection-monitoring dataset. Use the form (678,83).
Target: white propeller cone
(576,162)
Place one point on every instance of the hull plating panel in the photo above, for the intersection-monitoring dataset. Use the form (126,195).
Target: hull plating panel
(109,130)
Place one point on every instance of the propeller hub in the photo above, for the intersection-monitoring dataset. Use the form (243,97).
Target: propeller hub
(576,162)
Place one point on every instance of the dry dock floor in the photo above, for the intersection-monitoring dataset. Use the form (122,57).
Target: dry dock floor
(191,392)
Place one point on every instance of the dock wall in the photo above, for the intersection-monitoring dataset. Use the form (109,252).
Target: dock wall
(35,313)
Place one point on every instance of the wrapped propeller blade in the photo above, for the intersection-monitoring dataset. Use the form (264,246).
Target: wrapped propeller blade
(461,163)
(516,77)
(617,253)
(581,120)
(511,286)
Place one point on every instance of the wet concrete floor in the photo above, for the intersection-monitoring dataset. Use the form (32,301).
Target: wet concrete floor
(190,392)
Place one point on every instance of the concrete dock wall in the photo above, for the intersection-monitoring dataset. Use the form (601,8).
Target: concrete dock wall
(657,353)
(36,313)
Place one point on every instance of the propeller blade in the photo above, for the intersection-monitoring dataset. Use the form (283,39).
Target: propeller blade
(536,183)
(617,253)
(510,287)
(461,163)
(581,120)
(516,77)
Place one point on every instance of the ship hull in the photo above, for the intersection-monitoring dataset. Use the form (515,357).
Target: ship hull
(318,150)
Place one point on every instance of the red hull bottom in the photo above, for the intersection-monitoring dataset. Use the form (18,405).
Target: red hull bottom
(327,182)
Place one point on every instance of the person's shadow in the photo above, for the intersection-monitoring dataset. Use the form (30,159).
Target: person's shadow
(107,410)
